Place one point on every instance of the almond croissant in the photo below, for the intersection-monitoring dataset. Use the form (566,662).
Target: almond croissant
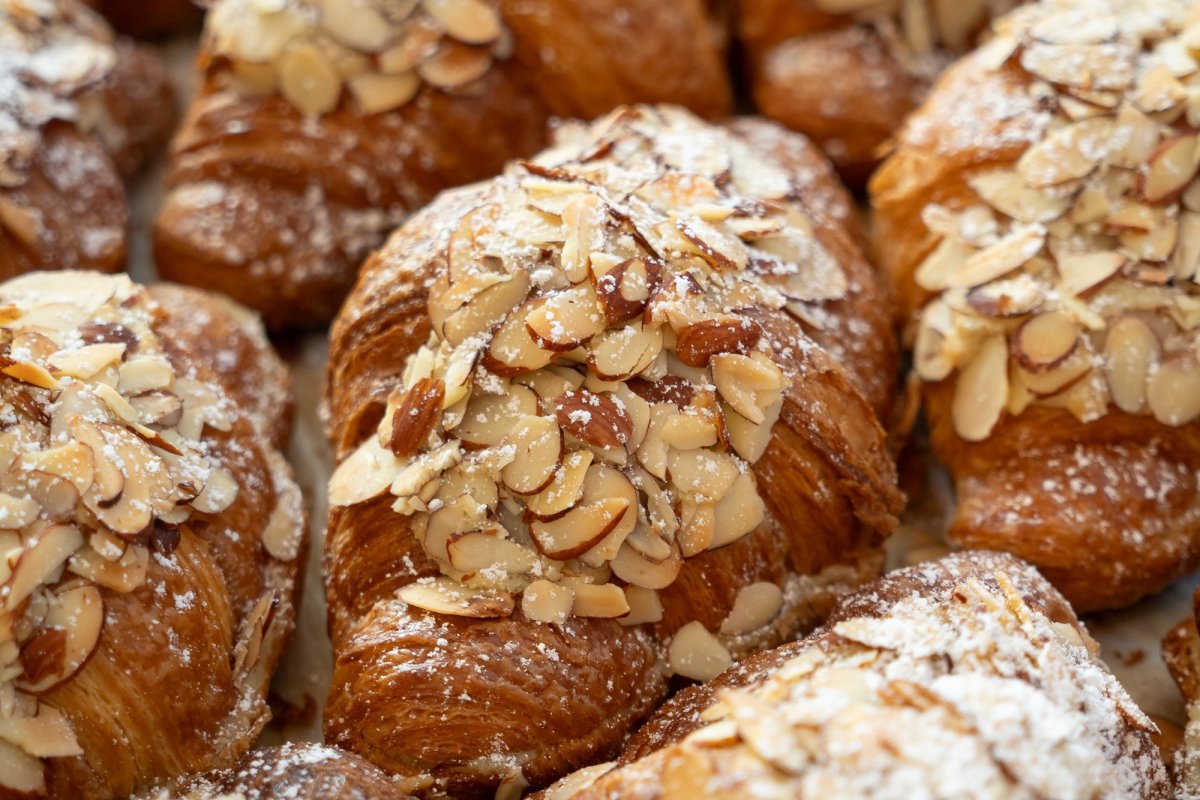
(1041,223)
(606,419)
(150,538)
(319,127)
(964,679)
(79,110)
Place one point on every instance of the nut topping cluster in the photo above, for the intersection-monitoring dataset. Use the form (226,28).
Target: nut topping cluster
(50,53)
(101,462)
(1071,280)
(380,51)
(598,383)
(918,29)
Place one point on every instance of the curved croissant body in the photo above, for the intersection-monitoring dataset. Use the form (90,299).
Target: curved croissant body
(538,698)
(1060,368)
(966,678)
(284,229)
(80,110)
(153,538)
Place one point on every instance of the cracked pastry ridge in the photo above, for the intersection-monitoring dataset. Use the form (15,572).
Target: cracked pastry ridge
(606,419)
(320,126)
(150,537)
(963,679)
(1040,220)
(80,109)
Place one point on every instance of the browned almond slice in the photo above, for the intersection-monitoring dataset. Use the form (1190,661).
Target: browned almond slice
(644,606)
(689,431)
(624,290)
(44,552)
(1062,375)
(462,515)
(738,512)
(447,596)
(308,80)
(539,450)
(366,473)
(982,391)
(603,483)
(480,550)
(1170,169)
(123,575)
(580,529)
(697,654)
(1081,272)
(566,319)
(632,567)
(107,480)
(1131,353)
(1045,341)
(697,527)
(378,92)
(993,262)
(756,606)
(28,372)
(564,491)
(593,418)
(470,21)
(454,65)
(606,601)
(487,308)
(489,417)
(1071,152)
(46,735)
(721,248)
(620,353)
(512,350)
(543,601)
(1008,297)
(947,259)
(73,621)
(1132,218)
(147,484)
(696,344)
(668,389)
(416,413)
(1173,393)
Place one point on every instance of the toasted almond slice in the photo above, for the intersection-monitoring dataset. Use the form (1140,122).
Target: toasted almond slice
(580,529)
(1132,218)
(220,491)
(480,550)
(123,575)
(566,319)
(687,431)
(452,520)
(1006,191)
(738,512)
(633,567)
(605,601)
(489,418)
(470,21)
(20,772)
(620,353)
(539,450)
(487,309)
(1045,341)
(750,384)
(157,407)
(644,606)
(697,527)
(603,483)
(543,601)
(722,249)
(596,419)
(1081,272)
(982,391)
(76,613)
(749,439)
(1170,169)
(513,351)
(756,605)
(378,92)
(447,596)
(87,360)
(1007,297)
(415,415)
(585,216)
(366,473)
(454,65)
(704,474)
(46,735)
(1131,353)
(108,481)
(1067,153)
(1008,254)
(44,552)
(418,41)
(308,80)
(564,491)
(696,344)
(697,654)
(624,290)
(30,373)
(418,472)
(1173,393)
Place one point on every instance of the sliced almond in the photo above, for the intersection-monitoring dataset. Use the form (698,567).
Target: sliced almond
(566,319)
(56,496)
(579,530)
(480,550)
(722,249)
(750,384)
(470,21)
(1173,393)
(593,418)
(483,310)
(43,554)
(543,601)
(1045,341)
(564,491)
(447,596)
(644,606)
(454,65)
(605,601)
(1131,353)
(697,527)
(624,290)
(366,473)
(489,418)
(87,360)
(539,451)
(1066,154)
(704,474)
(603,483)
(1170,169)
(946,259)
(697,654)
(633,567)
(308,80)
(415,415)
(30,373)
(738,512)
(220,492)
(993,262)
(77,613)
(20,772)
(696,344)
(356,24)
(750,439)
(513,351)
(756,605)
(982,391)
(378,92)
(123,575)
(72,462)
(1082,272)
(620,353)
(1007,192)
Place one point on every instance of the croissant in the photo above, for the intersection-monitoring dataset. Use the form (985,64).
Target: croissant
(847,72)
(151,538)
(604,419)
(317,131)
(1181,653)
(150,18)
(1037,223)
(79,110)
(292,771)
(961,679)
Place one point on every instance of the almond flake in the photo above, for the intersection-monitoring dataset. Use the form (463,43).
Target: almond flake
(1008,254)
(697,654)
(981,391)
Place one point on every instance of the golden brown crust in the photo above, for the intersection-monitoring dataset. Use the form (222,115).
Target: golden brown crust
(671,758)
(410,687)
(150,18)
(1108,509)
(297,771)
(62,204)
(299,220)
